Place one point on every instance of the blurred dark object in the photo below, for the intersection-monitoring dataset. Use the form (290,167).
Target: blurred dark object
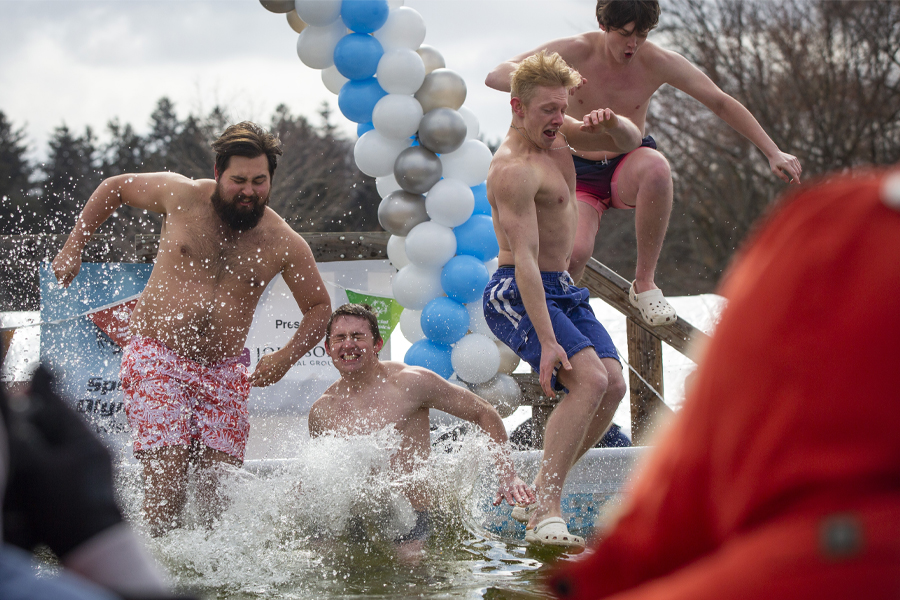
(522,437)
(60,487)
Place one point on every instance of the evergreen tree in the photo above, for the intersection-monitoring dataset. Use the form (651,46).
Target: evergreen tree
(69,178)
(19,208)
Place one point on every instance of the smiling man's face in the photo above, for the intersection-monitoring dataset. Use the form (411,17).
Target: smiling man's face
(351,345)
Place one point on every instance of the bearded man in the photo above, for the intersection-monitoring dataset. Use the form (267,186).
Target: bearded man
(185,384)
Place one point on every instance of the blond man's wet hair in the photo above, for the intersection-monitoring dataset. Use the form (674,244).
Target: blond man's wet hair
(542,70)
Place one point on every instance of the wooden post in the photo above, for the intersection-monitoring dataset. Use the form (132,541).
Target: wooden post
(645,355)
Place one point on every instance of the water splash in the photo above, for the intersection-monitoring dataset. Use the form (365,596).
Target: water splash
(324,524)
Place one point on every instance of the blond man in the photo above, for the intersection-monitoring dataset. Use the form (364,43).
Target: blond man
(531,302)
(623,70)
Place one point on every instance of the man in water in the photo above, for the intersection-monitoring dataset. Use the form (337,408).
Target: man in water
(185,384)
(531,302)
(622,70)
(372,394)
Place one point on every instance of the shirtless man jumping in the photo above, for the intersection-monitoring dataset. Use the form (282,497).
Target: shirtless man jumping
(185,385)
(531,303)
(372,395)
(622,70)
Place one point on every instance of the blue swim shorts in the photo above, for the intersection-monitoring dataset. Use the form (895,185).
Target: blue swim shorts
(574,323)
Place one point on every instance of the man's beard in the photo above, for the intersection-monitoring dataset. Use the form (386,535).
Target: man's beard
(237,217)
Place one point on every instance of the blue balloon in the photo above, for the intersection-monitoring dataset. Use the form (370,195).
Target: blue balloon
(357,99)
(430,355)
(364,16)
(444,320)
(356,56)
(363,128)
(476,238)
(482,206)
(464,278)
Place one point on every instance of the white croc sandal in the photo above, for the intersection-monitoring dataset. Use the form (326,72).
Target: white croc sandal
(553,532)
(522,512)
(655,310)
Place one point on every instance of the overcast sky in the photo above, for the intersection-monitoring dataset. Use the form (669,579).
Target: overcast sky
(85,62)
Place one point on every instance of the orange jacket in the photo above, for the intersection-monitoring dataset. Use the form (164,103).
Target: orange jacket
(780,478)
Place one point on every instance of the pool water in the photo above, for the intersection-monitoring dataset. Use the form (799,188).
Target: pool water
(291,528)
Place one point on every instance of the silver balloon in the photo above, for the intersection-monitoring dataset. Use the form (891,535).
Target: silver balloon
(278,6)
(296,23)
(442,130)
(431,57)
(442,88)
(417,169)
(400,211)
(502,392)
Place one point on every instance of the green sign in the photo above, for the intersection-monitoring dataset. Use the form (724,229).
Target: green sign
(387,309)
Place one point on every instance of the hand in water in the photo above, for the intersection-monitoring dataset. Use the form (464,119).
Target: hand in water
(270,369)
(514,491)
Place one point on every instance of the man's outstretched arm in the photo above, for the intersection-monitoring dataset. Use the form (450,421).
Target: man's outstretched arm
(462,403)
(680,73)
(514,188)
(149,191)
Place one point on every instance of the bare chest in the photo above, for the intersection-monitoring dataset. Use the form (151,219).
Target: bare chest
(369,411)
(627,91)
(197,251)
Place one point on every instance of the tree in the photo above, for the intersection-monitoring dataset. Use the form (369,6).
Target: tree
(821,76)
(317,186)
(69,178)
(19,208)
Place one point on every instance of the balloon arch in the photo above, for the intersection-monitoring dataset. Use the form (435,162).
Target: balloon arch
(420,143)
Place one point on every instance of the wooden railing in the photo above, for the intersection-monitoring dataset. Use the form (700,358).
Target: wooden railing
(20,256)
(644,355)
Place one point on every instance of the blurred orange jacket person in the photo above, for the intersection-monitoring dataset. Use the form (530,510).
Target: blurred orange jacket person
(781,476)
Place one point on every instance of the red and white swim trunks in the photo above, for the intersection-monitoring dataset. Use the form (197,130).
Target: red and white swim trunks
(171,400)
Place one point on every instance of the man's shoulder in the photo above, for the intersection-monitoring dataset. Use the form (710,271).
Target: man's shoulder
(658,59)
(409,374)
(513,172)
(577,47)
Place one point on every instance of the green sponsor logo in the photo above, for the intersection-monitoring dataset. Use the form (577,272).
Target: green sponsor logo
(387,309)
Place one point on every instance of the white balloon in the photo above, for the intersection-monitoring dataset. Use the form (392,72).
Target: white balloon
(333,80)
(396,251)
(397,116)
(400,71)
(430,245)
(386,184)
(502,392)
(414,287)
(475,358)
(450,202)
(472,127)
(315,46)
(477,323)
(375,154)
(404,28)
(469,164)
(509,360)
(318,12)
(411,325)
(492,265)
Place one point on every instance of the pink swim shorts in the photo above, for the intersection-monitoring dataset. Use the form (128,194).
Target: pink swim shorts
(172,401)
(597,181)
